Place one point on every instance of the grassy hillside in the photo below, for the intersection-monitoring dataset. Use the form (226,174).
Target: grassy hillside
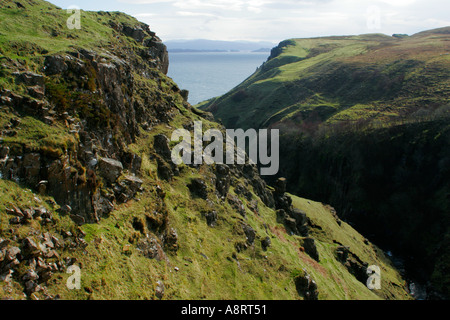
(340,80)
(364,122)
(43,29)
(207,265)
(85,180)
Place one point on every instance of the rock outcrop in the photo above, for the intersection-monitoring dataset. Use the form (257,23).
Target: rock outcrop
(33,263)
(102,112)
(306,286)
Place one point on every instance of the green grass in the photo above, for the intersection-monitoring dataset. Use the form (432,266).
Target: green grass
(209,265)
(36,135)
(378,77)
(331,232)
(44,25)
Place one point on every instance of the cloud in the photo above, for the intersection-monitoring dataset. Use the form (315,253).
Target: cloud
(145,1)
(278,20)
(399,3)
(195,14)
(230,5)
(144,15)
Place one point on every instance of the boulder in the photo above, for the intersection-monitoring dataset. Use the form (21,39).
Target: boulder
(250,233)
(199,188)
(223,179)
(301,220)
(15,212)
(165,171)
(342,253)
(133,183)
(299,216)
(132,162)
(12,253)
(38,212)
(30,275)
(55,65)
(7,276)
(79,220)
(310,248)
(289,223)
(4,243)
(137,33)
(306,286)
(161,145)
(30,247)
(127,188)
(28,214)
(30,78)
(151,249)
(211,218)
(110,169)
(280,186)
(265,243)
(37,92)
(357,268)
(42,187)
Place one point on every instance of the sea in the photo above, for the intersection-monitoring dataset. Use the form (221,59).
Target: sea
(210,74)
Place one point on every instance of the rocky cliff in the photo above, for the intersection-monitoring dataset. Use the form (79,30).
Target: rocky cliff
(87,181)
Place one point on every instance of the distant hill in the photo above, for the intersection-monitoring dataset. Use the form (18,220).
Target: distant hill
(371,77)
(202,45)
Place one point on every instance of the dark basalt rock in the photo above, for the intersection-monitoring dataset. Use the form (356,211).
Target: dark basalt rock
(199,188)
(211,218)
(250,233)
(310,248)
(265,243)
(223,181)
(161,145)
(306,286)
(110,169)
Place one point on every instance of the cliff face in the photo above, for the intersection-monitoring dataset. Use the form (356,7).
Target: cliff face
(95,96)
(87,180)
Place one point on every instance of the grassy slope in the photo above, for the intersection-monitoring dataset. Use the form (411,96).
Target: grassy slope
(373,77)
(209,266)
(44,28)
(113,268)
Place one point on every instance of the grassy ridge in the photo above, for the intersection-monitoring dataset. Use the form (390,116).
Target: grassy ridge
(341,79)
(43,29)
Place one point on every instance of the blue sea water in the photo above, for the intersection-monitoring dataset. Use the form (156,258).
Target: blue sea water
(211,74)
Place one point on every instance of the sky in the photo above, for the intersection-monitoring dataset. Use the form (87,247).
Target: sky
(275,20)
